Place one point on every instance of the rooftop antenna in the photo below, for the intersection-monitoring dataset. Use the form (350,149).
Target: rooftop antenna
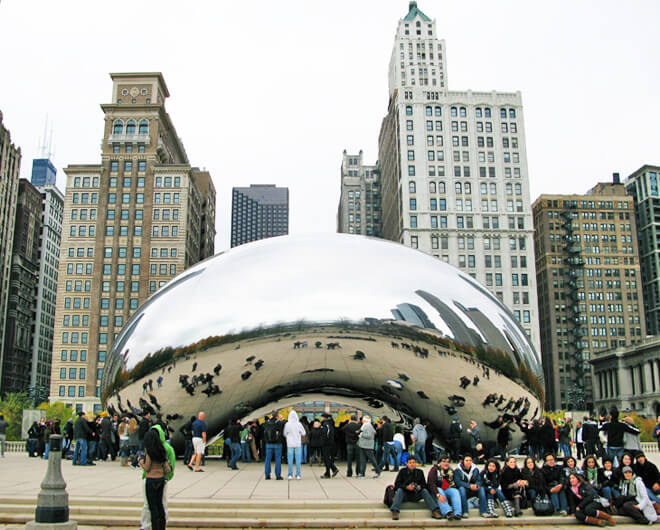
(43,148)
(51,151)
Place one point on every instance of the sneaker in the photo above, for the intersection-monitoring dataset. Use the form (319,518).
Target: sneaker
(289,477)
(486,515)
(325,476)
(376,475)
(279,478)
(395,515)
(563,513)
(334,473)
(267,477)
(436,514)
(457,517)
(298,477)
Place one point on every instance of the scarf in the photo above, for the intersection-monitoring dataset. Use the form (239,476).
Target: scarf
(447,476)
(591,474)
(628,487)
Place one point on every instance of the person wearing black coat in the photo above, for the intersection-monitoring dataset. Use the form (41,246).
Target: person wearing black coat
(512,484)
(614,430)
(554,478)
(589,435)
(410,485)
(329,447)
(81,432)
(490,483)
(534,478)
(143,427)
(351,432)
(315,443)
(582,499)
(649,474)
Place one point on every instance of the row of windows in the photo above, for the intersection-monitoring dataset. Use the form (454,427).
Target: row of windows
(163,252)
(125,198)
(456,111)
(128,148)
(121,269)
(142,127)
(166,182)
(126,182)
(120,286)
(122,252)
(72,391)
(119,303)
(72,373)
(75,320)
(72,355)
(83,214)
(85,198)
(128,165)
(74,337)
(124,214)
(123,230)
(466,187)
(167,198)
(86,182)
(164,231)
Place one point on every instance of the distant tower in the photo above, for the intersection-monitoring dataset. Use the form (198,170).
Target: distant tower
(258,212)
(43,170)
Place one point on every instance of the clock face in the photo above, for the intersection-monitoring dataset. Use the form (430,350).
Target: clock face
(134,91)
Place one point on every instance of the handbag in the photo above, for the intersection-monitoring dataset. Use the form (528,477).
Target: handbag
(542,505)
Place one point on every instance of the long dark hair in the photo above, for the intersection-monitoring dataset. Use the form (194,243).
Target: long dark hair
(154,447)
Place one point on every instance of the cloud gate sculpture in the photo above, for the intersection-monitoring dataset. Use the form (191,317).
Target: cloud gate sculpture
(365,322)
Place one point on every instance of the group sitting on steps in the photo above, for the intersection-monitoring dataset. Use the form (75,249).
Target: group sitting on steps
(590,493)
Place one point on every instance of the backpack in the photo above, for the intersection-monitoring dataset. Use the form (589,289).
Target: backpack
(273,432)
(388,499)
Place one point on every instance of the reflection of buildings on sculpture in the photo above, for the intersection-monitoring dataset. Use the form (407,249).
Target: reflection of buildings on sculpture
(629,377)
(412,314)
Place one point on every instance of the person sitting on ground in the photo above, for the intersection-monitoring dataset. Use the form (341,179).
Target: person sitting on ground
(554,475)
(490,484)
(534,477)
(583,502)
(648,472)
(593,475)
(570,466)
(513,485)
(609,487)
(442,486)
(410,485)
(634,500)
(468,482)
(625,460)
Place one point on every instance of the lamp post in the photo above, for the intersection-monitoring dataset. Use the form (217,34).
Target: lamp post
(53,500)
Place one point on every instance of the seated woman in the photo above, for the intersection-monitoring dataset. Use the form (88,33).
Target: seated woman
(441,484)
(625,460)
(570,466)
(513,485)
(534,477)
(634,500)
(583,502)
(490,484)
(609,487)
(649,474)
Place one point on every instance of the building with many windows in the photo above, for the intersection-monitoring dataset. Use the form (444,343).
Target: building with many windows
(43,172)
(258,212)
(360,200)
(10,164)
(131,223)
(589,288)
(454,172)
(24,280)
(642,185)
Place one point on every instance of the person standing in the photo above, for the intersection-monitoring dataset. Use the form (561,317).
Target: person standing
(631,442)
(329,447)
(351,433)
(564,434)
(186,430)
(589,435)
(656,432)
(389,449)
(475,437)
(365,443)
(145,425)
(273,438)
(293,432)
(106,447)
(579,442)
(233,436)
(81,431)
(614,429)
(3,434)
(454,438)
(33,435)
(419,439)
(199,442)
(158,467)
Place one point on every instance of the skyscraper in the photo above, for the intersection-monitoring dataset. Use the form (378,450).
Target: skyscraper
(590,294)
(359,204)
(131,223)
(43,172)
(642,185)
(24,279)
(258,212)
(454,171)
(10,164)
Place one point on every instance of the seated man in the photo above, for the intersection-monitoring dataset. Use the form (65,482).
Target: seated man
(468,483)
(443,487)
(410,485)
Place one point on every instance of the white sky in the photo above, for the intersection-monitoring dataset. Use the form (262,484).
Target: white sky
(273,92)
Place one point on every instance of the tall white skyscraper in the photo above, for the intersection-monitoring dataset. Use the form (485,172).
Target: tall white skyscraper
(454,172)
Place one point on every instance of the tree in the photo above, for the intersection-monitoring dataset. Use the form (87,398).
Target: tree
(11,407)
(57,411)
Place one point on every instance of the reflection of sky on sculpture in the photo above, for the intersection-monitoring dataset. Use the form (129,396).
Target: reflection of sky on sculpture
(321,278)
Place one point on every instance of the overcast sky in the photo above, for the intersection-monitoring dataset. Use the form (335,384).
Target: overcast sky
(273,92)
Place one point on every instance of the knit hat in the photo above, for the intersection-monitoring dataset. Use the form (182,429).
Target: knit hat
(627,469)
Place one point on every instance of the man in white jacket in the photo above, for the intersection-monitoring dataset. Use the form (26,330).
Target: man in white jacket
(366,442)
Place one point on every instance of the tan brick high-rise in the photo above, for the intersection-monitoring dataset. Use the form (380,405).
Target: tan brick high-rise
(131,223)
(589,287)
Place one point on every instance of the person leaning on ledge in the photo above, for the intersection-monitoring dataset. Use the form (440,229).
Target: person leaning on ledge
(410,485)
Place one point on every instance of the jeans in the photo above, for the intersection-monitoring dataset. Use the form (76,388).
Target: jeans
(188,451)
(46,451)
(292,452)
(531,494)
(608,492)
(420,452)
(390,449)
(468,493)
(245,452)
(452,502)
(329,459)
(366,454)
(91,451)
(274,450)
(31,444)
(154,488)
(559,501)
(615,453)
(565,449)
(350,456)
(498,495)
(235,453)
(81,452)
(304,453)
(652,496)
(403,494)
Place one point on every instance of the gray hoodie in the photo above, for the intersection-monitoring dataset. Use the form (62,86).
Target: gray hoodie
(367,436)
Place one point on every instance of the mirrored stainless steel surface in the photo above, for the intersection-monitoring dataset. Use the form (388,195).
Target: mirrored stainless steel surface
(367,319)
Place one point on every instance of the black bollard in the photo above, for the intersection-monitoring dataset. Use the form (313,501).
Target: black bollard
(53,500)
